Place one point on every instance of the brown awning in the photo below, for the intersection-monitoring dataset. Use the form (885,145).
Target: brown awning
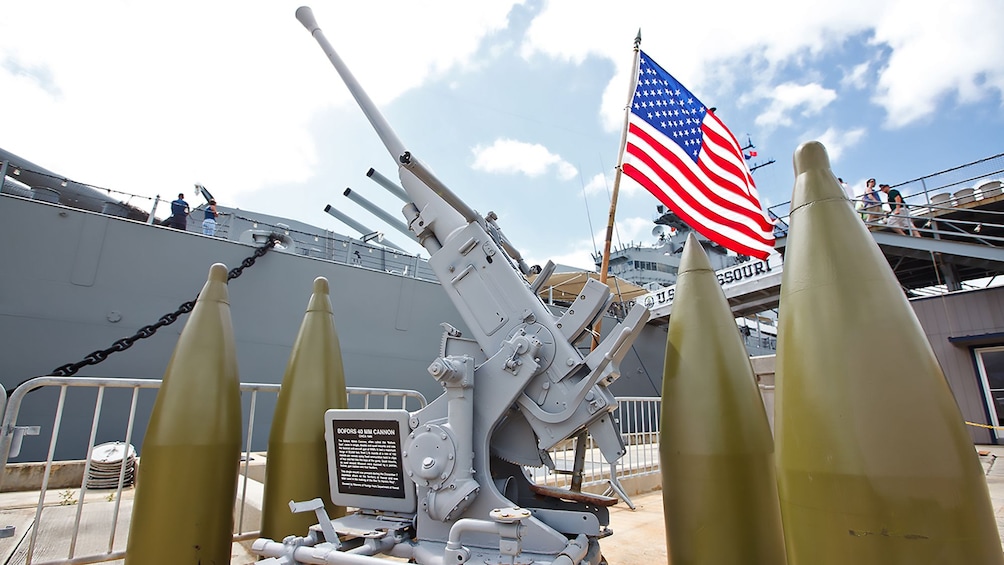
(566,286)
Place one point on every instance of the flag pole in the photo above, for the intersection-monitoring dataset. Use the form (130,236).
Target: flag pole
(605,263)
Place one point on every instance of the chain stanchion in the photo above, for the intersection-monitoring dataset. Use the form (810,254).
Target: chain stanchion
(100,355)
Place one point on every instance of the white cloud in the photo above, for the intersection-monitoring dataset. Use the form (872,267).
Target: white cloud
(511,156)
(933,52)
(857,77)
(599,184)
(695,55)
(579,252)
(579,256)
(636,229)
(836,141)
(195,83)
(604,184)
(956,53)
(566,170)
(790,97)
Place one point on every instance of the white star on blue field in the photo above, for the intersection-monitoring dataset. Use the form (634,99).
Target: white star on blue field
(517,106)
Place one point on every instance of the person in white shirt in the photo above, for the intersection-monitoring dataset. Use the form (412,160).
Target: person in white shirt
(847,190)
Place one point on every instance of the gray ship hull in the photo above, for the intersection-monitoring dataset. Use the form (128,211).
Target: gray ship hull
(75,281)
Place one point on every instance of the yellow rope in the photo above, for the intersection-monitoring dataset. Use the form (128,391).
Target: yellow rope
(984,426)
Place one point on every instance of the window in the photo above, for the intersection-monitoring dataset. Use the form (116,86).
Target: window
(990,361)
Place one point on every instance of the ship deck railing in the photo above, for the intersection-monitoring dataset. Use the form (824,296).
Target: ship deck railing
(976,220)
(956,220)
(325,245)
(58,519)
(963,203)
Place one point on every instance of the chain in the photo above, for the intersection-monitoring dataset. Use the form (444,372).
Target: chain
(100,355)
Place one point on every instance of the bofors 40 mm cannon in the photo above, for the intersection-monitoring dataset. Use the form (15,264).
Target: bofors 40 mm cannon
(445,484)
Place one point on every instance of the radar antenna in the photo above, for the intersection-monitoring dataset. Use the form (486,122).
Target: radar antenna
(749,153)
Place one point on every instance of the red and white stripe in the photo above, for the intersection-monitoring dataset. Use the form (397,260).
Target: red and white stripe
(716,195)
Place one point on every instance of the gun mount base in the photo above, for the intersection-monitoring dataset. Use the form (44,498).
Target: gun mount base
(364,537)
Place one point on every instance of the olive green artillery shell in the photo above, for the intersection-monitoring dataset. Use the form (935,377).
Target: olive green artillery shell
(183,510)
(717,455)
(297,467)
(874,463)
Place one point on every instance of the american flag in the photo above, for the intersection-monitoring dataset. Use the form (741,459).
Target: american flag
(684,155)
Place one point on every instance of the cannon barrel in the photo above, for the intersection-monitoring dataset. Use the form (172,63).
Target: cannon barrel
(363,230)
(379,212)
(390,185)
(444,218)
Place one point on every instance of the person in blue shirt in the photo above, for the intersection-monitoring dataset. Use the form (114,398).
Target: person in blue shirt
(871,211)
(179,213)
(209,224)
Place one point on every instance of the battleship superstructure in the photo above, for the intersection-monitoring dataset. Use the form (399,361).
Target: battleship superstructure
(655,267)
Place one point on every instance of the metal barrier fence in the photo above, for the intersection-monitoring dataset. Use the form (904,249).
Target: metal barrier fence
(637,417)
(12,435)
(638,421)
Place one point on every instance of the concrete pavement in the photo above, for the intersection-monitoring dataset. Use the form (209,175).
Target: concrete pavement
(639,535)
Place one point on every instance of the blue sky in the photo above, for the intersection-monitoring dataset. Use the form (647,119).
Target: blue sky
(517,106)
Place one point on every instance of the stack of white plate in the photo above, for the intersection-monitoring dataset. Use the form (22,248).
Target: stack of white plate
(106,465)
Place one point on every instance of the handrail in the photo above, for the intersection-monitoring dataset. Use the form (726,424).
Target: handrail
(953,169)
(935,225)
(967,175)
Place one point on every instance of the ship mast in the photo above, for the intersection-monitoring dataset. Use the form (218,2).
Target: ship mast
(605,263)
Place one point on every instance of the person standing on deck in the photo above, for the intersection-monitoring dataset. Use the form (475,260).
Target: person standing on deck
(872,203)
(899,217)
(209,224)
(179,214)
